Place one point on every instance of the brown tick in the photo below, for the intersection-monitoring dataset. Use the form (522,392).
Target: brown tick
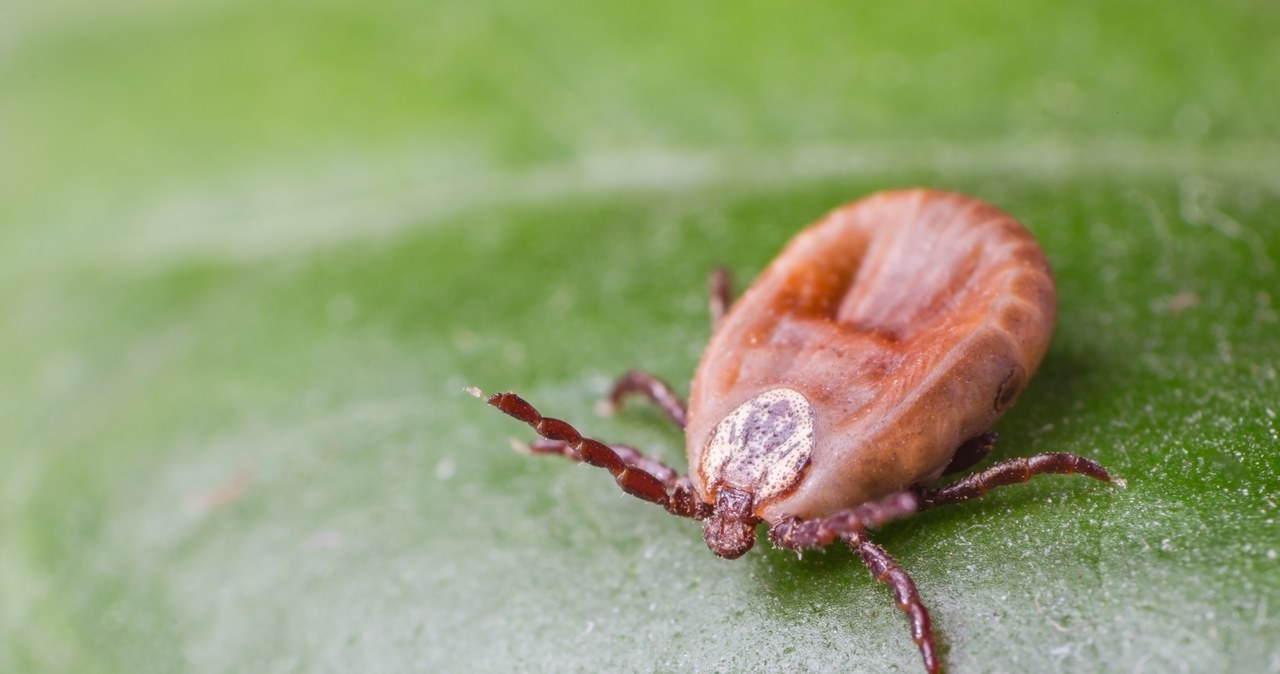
(868,360)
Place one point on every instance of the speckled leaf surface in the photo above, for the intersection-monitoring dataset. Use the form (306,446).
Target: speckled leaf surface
(251,254)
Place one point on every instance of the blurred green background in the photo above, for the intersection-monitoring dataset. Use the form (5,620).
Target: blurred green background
(250,253)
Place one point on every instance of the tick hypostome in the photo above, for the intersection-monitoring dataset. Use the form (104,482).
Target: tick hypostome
(868,360)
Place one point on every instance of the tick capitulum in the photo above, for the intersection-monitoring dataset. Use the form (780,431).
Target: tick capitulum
(868,360)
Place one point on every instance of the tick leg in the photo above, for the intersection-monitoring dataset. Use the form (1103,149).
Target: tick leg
(652,388)
(634,480)
(1013,471)
(720,290)
(886,570)
(629,455)
(970,453)
(795,534)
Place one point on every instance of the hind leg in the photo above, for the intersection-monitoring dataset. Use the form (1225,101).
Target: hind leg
(970,452)
(1013,471)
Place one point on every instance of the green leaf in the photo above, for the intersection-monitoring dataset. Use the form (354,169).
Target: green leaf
(252,254)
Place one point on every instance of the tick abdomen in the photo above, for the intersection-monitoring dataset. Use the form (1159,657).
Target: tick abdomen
(908,321)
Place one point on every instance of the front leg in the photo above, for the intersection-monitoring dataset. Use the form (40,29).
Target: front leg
(633,479)
(630,455)
(797,534)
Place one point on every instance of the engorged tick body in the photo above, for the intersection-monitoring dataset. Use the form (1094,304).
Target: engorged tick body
(869,359)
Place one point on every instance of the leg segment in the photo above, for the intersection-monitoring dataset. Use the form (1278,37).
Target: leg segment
(1013,471)
(794,534)
(970,453)
(629,455)
(720,290)
(886,570)
(632,479)
(652,388)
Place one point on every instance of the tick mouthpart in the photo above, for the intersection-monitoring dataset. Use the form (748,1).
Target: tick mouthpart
(727,537)
(730,531)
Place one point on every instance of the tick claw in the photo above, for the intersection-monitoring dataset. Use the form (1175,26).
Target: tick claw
(473,391)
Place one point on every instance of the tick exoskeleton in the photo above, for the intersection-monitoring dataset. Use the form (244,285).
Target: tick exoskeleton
(868,360)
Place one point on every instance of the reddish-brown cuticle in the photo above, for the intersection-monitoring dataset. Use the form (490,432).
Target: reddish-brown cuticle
(890,317)
(597,454)
(643,485)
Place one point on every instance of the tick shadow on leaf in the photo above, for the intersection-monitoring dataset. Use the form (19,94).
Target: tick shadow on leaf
(1066,377)
(790,579)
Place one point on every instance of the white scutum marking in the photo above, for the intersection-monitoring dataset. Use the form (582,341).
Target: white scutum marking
(762,446)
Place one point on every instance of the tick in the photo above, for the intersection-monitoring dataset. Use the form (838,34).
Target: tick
(867,361)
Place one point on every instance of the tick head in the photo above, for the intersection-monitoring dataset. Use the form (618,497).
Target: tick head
(758,453)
